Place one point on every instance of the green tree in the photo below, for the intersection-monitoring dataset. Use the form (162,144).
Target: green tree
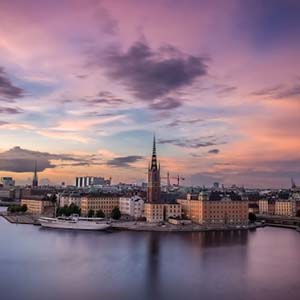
(252,217)
(100,214)
(91,213)
(68,210)
(24,208)
(115,213)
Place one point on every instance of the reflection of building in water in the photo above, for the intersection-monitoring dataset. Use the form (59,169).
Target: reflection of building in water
(153,265)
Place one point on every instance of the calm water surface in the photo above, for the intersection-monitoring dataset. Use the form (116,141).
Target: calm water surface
(45,264)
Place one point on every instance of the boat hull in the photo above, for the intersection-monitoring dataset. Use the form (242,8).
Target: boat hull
(81,225)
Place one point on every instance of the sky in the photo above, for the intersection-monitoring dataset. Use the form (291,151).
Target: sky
(84,85)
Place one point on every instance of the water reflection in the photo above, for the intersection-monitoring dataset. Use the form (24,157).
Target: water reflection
(142,265)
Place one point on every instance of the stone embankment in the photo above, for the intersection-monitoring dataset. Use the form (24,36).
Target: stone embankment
(143,226)
(20,218)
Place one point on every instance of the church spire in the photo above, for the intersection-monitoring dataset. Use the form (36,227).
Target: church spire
(35,177)
(154,158)
(153,190)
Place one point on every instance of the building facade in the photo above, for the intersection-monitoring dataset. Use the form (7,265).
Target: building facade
(224,211)
(106,203)
(7,182)
(132,206)
(285,208)
(89,181)
(69,198)
(154,212)
(38,205)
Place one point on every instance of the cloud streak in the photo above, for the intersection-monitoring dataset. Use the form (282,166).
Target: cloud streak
(8,91)
(22,160)
(124,162)
(192,143)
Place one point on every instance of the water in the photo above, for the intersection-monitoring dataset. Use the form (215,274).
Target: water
(36,263)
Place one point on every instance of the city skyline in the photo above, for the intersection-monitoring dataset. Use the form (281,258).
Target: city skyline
(85,84)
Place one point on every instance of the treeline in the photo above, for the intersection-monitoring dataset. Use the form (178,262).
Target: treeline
(68,210)
(74,209)
(17,208)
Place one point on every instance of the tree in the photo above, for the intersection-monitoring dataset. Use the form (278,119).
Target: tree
(17,208)
(91,213)
(252,217)
(24,208)
(68,210)
(100,214)
(115,213)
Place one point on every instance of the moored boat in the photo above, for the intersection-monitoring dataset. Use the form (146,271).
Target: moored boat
(74,222)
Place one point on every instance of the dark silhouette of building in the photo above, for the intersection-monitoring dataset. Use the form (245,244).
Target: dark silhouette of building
(35,181)
(153,194)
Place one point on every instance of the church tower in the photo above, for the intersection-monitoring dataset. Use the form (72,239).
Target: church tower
(153,193)
(35,177)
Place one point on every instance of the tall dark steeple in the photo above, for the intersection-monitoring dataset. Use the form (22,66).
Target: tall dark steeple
(35,177)
(153,194)
(154,159)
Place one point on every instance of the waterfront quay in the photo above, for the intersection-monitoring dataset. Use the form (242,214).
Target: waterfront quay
(20,218)
(167,227)
(280,221)
(139,226)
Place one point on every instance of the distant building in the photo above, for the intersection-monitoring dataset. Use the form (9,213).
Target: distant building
(221,211)
(106,203)
(7,194)
(7,182)
(253,208)
(267,206)
(67,198)
(38,205)
(132,206)
(154,212)
(89,181)
(216,185)
(285,208)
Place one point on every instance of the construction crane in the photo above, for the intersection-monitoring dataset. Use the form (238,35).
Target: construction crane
(178,179)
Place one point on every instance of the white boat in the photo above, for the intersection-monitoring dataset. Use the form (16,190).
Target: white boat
(74,222)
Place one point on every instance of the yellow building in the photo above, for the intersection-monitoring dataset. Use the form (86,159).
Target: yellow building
(154,212)
(263,206)
(37,204)
(106,203)
(225,211)
(159,212)
(285,208)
